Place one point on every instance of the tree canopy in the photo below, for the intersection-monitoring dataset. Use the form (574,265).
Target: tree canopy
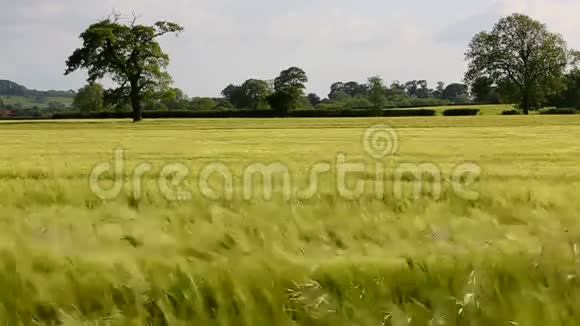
(522,56)
(377,92)
(251,94)
(454,91)
(288,90)
(130,55)
(89,98)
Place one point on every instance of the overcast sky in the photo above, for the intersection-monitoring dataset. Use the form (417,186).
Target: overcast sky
(229,41)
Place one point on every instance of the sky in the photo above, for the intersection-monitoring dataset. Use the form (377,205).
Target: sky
(229,41)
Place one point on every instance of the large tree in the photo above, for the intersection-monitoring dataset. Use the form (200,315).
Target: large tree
(130,55)
(254,93)
(376,91)
(418,89)
(314,99)
(454,91)
(355,89)
(335,89)
(522,56)
(251,94)
(397,90)
(233,94)
(288,90)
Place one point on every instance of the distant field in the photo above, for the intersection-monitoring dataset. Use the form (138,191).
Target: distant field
(29,102)
(485,109)
(509,257)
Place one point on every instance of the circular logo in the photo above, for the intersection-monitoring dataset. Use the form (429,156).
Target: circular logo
(381,141)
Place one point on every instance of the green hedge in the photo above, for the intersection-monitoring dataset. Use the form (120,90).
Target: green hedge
(460,112)
(331,113)
(360,113)
(410,113)
(170,114)
(511,112)
(559,111)
(249,114)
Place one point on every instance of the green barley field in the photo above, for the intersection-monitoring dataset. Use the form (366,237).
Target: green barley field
(508,256)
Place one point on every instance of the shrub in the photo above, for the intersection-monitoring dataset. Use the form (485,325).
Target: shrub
(460,112)
(511,112)
(559,111)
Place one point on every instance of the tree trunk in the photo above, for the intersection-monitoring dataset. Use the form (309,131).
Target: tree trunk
(135,96)
(137,108)
(526,102)
(526,110)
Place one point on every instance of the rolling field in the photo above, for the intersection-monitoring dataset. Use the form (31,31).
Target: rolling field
(507,254)
(30,102)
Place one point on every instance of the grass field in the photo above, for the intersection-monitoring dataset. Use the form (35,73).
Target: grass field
(509,257)
(485,109)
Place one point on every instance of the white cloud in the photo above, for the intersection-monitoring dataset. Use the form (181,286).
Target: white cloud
(560,15)
(228,41)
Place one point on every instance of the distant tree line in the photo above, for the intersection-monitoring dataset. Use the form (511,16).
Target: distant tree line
(519,61)
(259,94)
(286,93)
(256,94)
